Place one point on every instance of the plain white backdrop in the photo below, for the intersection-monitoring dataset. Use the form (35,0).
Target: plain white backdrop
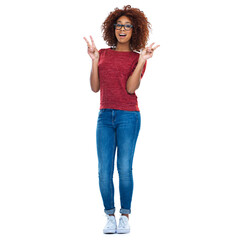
(186,164)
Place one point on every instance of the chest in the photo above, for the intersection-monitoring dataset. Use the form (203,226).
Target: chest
(116,66)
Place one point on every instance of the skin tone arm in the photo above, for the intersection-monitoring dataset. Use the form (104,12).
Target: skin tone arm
(94,54)
(133,81)
(94,80)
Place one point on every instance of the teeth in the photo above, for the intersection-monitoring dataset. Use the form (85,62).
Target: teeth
(122,34)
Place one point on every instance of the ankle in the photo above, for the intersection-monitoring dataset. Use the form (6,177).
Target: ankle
(125,215)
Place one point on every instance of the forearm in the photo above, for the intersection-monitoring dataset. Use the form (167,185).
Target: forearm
(133,81)
(94,79)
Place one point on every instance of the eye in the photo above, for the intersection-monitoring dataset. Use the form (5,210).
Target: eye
(128,25)
(119,25)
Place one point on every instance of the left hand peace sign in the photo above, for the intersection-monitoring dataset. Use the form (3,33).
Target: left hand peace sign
(148,52)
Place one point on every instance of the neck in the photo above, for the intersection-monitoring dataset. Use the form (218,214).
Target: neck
(125,47)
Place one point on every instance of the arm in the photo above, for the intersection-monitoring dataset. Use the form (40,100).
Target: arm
(94,79)
(133,81)
(94,54)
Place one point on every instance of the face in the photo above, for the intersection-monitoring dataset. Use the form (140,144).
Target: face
(128,34)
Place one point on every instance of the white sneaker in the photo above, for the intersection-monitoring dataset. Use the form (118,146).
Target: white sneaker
(111,226)
(123,226)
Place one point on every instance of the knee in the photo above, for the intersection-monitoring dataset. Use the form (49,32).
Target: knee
(125,173)
(104,176)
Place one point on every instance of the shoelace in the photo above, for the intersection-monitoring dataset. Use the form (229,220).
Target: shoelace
(110,222)
(122,222)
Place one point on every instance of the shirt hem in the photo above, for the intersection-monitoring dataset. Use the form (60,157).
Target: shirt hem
(125,108)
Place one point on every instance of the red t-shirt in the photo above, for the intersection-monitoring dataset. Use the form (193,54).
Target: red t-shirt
(114,69)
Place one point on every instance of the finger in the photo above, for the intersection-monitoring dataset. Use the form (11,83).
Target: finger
(155,47)
(150,50)
(87,42)
(151,45)
(92,41)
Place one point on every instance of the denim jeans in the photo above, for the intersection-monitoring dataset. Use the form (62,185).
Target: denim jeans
(116,129)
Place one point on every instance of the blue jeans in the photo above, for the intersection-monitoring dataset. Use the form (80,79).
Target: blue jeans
(116,129)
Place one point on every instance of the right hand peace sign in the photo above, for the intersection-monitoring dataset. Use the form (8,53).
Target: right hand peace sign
(92,50)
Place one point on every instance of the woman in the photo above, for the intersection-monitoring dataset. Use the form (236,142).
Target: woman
(116,72)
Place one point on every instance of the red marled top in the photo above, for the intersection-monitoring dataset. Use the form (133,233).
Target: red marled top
(114,69)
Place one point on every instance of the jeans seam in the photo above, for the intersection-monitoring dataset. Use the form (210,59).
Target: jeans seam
(112,200)
(135,137)
(133,147)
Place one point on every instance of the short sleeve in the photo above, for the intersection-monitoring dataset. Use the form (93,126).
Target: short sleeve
(100,51)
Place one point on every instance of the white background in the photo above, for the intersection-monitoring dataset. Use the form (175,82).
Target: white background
(186,163)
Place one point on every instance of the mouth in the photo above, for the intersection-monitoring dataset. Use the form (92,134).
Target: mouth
(122,35)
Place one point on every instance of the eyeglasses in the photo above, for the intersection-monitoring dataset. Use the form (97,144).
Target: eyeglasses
(127,27)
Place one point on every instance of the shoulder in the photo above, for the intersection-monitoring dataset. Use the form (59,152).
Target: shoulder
(136,55)
(137,52)
(102,49)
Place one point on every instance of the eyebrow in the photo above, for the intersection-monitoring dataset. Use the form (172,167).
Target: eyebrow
(125,22)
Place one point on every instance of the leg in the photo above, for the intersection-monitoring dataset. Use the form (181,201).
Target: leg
(106,147)
(127,134)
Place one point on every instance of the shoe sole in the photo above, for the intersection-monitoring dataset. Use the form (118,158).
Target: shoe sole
(122,231)
(109,231)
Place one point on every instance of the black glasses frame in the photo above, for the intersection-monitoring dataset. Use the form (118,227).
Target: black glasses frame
(115,25)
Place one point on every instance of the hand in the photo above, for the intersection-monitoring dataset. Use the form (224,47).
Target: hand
(148,52)
(92,50)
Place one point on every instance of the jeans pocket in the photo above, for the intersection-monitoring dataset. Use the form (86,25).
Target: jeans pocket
(101,111)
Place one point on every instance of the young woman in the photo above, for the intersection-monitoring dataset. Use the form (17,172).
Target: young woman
(117,72)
